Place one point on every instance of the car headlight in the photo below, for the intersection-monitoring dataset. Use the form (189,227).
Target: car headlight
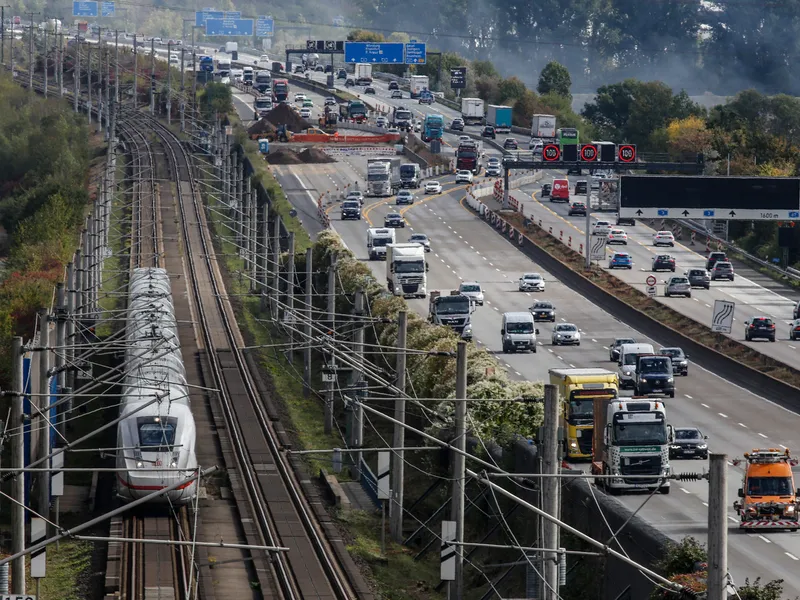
(789,510)
(670,380)
(573,444)
(558,335)
(644,379)
(702,446)
(139,464)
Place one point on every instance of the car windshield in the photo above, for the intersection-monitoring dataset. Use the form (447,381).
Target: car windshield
(532,276)
(620,341)
(769,486)
(687,434)
(157,434)
(519,327)
(412,266)
(418,238)
(654,365)
(543,306)
(453,306)
(640,433)
(678,280)
(351,204)
(380,242)
(566,328)
(672,352)
(470,288)
(377,177)
(404,194)
(762,321)
(393,216)
(630,358)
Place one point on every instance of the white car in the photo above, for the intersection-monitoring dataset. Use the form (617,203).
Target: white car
(464,177)
(330,101)
(531,282)
(602,228)
(433,187)
(420,238)
(305,113)
(464,138)
(473,290)
(618,236)
(404,197)
(355,195)
(381,122)
(299,97)
(663,238)
(565,334)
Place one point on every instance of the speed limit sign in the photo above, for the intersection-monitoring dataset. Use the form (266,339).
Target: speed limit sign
(551,153)
(626,153)
(650,280)
(588,153)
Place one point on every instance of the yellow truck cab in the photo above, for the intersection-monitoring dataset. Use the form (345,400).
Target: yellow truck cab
(768,498)
(577,390)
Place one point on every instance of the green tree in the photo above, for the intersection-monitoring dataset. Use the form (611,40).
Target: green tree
(216,99)
(511,89)
(555,78)
(484,68)
(362,35)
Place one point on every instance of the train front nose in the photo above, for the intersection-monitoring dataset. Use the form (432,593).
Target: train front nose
(150,473)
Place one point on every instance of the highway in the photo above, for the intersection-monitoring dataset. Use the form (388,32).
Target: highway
(464,248)
(751,298)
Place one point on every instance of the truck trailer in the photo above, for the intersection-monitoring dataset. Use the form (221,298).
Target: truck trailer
(472,110)
(499,117)
(469,157)
(543,127)
(417,84)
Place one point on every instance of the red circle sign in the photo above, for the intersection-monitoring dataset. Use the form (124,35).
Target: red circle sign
(626,153)
(651,280)
(588,153)
(551,153)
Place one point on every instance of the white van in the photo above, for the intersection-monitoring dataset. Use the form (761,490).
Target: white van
(518,332)
(627,362)
(377,240)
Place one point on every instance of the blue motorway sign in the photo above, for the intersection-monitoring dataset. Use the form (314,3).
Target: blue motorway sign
(663,212)
(107,9)
(200,17)
(708,213)
(371,52)
(415,53)
(230,27)
(84,9)
(265,27)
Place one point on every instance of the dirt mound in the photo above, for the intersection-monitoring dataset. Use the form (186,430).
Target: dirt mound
(314,156)
(283,115)
(262,127)
(284,156)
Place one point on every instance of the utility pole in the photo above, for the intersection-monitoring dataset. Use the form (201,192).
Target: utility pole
(46,60)
(61,50)
(717,527)
(18,462)
(43,504)
(31,68)
(550,492)
(3,34)
(459,466)
(152,76)
(135,73)
(331,297)
(61,344)
(399,438)
(308,316)
(89,81)
(357,412)
(76,75)
(116,66)
(290,287)
(275,280)
(169,83)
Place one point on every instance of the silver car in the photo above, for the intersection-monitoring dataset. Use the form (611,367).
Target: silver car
(678,286)
(565,334)
(473,290)
(420,238)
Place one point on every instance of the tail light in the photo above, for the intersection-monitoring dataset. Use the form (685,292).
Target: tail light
(752,326)
(772,326)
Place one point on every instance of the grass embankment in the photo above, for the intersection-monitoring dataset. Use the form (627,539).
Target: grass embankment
(68,572)
(654,309)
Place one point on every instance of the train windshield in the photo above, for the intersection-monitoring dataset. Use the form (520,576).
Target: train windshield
(157,433)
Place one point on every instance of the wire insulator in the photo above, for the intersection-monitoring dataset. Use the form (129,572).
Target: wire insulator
(690,476)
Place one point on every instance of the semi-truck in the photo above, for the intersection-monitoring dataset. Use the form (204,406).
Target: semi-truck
(410,175)
(499,117)
(543,127)
(232,48)
(405,270)
(383,176)
(402,118)
(262,81)
(280,90)
(469,157)
(453,311)
(377,240)
(631,438)
(261,106)
(472,110)
(768,498)
(432,128)
(355,110)
(417,83)
(577,391)
(363,74)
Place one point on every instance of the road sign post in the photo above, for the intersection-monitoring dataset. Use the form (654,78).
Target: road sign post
(597,247)
(651,286)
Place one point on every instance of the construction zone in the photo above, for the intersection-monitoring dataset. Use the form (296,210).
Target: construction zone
(309,156)
(768,498)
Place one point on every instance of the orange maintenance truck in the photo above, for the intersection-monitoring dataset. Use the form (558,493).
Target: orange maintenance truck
(768,496)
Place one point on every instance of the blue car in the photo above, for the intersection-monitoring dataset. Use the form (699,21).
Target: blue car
(620,260)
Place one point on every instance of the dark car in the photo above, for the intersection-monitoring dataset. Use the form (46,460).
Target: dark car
(663,262)
(722,270)
(546,187)
(654,376)
(543,311)
(393,85)
(714,258)
(342,74)
(351,209)
(759,327)
(680,362)
(510,144)
(699,278)
(577,208)
(349,82)
(613,349)
(689,442)
(581,187)
(394,220)
(329,68)
(457,125)
(489,132)
(796,311)
(369,90)
(320,69)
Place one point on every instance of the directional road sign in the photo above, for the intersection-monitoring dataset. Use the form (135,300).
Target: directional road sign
(597,249)
(722,317)
(84,9)
(265,27)
(200,17)
(107,9)
(374,53)
(415,53)
(230,27)
(729,198)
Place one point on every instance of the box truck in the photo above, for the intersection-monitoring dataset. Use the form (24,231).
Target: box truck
(499,117)
(472,111)
(543,127)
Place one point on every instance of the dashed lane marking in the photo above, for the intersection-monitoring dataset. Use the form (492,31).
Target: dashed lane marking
(704,405)
(685,491)
(734,519)
(705,503)
(742,425)
(763,539)
(518,373)
(723,415)
(688,396)
(792,556)
(762,435)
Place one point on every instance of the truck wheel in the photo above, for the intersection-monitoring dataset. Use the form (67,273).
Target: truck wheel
(534,349)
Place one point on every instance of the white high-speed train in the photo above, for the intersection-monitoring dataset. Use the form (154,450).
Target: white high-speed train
(161,437)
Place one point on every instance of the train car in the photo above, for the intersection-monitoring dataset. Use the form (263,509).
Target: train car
(160,438)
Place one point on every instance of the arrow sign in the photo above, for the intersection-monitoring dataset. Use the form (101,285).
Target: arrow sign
(732,213)
(685,213)
(639,212)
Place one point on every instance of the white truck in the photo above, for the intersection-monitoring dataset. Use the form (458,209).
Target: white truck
(453,311)
(417,84)
(543,126)
(631,437)
(405,270)
(363,72)
(472,111)
(231,47)
(377,240)
(383,176)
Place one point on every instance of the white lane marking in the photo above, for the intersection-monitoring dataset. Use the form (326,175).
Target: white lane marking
(792,556)
(560,358)
(571,365)
(742,425)
(782,446)
(734,519)
(604,347)
(762,538)
(792,347)
(705,405)
(491,264)
(688,396)
(508,365)
(762,435)
(549,350)
(705,503)
(707,305)
(518,373)
(723,415)
(484,258)
(685,491)
(494,307)
(595,341)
